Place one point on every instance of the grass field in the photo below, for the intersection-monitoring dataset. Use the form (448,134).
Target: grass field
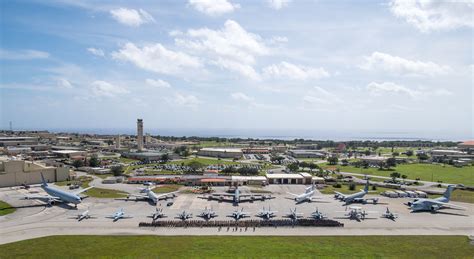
(6,208)
(241,247)
(166,188)
(105,193)
(426,172)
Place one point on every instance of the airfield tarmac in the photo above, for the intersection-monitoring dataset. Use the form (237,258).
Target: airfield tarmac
(33,219)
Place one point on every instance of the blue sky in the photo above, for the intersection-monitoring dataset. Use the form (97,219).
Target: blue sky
(325,65)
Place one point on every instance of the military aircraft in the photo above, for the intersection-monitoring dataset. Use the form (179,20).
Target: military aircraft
(236,197)
(356,197)
(434,204)
(266,214)
(152,196)
(57,195)
(120,214)
(306,196)
(389,215)
(83,215)
(356,213)
(157,214)
(239,214)
(294,215)
(208,214)
(184,215)
(318,215)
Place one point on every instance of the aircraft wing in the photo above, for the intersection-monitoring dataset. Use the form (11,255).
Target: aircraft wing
(42,197)
(83,190)
(296,195)
(139,196)
(224,194)
(166,194)
(340,194)
(449,205)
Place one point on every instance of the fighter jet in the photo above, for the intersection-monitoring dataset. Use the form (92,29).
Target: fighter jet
(184,215)
(266,214)
(57,195)
(389,215)
(356,197)
(306,196)
(239,214)
(157,214)
(208,214)
(120,214)
(294,215)
(83,215)
(237,197)
(356,213)
(318,215)
(434,204)
(152,196)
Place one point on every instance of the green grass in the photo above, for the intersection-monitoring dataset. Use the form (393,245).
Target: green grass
(166,188)
(105,193)
(445,173)
(127,160)
(345,189)
(5,209)
(241,247)
(459,195)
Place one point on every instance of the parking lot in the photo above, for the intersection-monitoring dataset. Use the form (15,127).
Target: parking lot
(34,219)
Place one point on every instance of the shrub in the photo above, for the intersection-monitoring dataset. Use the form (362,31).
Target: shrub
(374,188)
(337,185)
(352,186)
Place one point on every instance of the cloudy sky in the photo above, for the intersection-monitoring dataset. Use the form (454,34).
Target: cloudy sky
(381,66)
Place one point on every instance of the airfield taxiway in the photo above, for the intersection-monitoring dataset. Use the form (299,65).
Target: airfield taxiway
(33,219)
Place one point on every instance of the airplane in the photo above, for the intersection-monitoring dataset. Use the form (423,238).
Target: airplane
(356,197)
(57,195)
(294,215)
(434,204)
(389,215)
(318,215)
(120,214)
(266,214)
(184,215)
(157,214)
(208,214)
(356,213)
(83,215)
(306,196)
(237,196)
(239,214)
(152,196)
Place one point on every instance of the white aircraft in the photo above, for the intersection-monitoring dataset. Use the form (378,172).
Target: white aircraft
(389,215)
(357,213)
(236,197)
(57,195)
(120,214)
(184,215)
(208,214)
(239,214)
(434,204)
(83,215)
(306,196)
(356,197)
(266,214)
(152,196)
(318,215)
(294,215)
(157,214)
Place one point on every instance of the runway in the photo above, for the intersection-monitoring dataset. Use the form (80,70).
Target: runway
(33,219)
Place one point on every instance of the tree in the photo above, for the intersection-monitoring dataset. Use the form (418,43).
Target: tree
(422,156)
(394,154)
(367,152)
(409,153)
(312,166)
(94,161)
(304,164)
(277,159)
(78,163)
(394,176)
(352,186)
(247,171)
(391,162)
(293,167)
(165,157)
(117,170)
(195,165)
(333,160)
(404,177)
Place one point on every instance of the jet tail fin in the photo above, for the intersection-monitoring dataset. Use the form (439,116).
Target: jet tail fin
(366,188)
(447,193)
(43,181)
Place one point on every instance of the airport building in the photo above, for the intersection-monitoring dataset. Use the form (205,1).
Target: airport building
(300,178)
(306,153)
(18,141)
(221,152)
(18,172)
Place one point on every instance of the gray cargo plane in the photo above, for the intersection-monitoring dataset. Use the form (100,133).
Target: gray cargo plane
(434,204)
(356,197)
(237,197)
(57,195)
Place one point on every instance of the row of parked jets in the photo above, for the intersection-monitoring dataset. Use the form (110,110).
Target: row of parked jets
(57,195)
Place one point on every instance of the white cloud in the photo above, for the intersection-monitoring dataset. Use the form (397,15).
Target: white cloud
(442,92)
(238,96)
(430,15)
(278,4)
(131,17)
(377,89)
(232,47)
(97,52)
(106,89)
(400,65)
(292,71)
(157,58)
(62,82)
(186,100)
(214,7)
(158,83)
(320,96)
(26,54)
